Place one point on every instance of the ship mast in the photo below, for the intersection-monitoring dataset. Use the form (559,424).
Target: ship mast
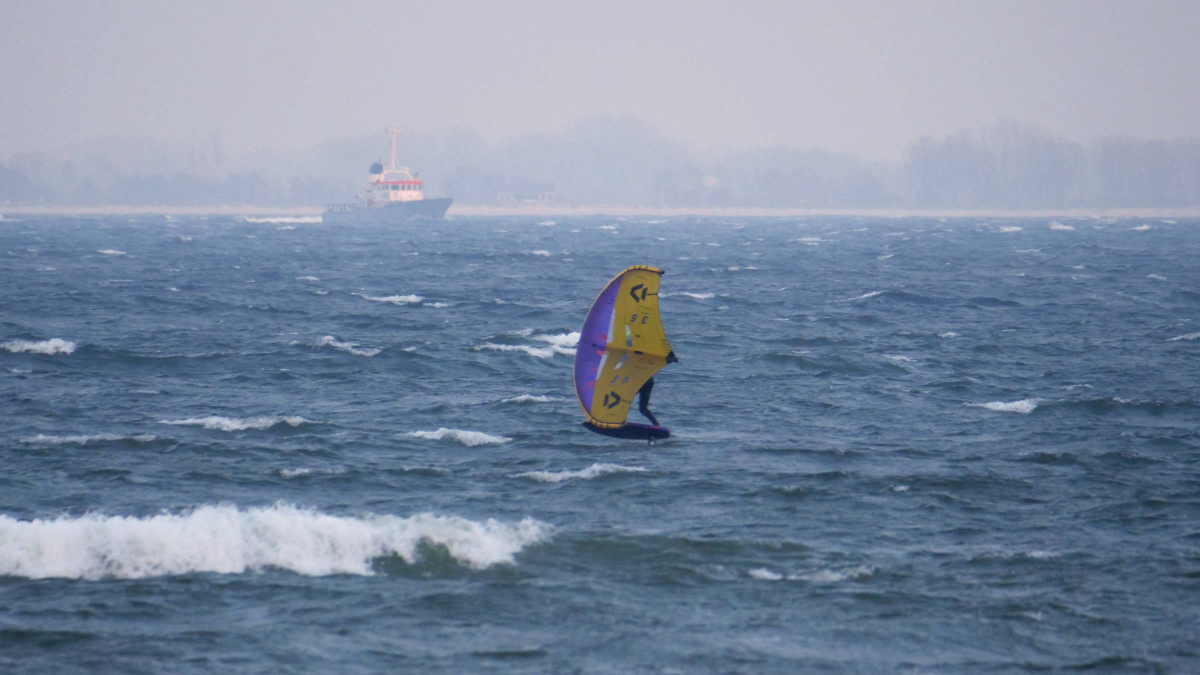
(392,132)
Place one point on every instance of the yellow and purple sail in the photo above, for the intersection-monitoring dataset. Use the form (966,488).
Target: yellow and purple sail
(621,345)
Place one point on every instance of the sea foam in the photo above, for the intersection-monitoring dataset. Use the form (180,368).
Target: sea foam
(594,471)
(49,347)
(226,539)
(468,438)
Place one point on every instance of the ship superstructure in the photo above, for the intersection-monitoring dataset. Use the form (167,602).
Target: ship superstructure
(391,193)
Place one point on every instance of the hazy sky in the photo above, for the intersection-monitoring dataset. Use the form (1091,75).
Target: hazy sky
(867,77)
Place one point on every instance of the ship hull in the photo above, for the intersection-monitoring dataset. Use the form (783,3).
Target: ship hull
(396,212)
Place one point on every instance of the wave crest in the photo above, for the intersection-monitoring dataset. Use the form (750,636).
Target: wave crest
(1024,406)
(49,347)
(350,347)
(594,471)
(228,540)
(238,424)
(468,438)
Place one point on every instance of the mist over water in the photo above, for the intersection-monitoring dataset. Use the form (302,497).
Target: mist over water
(897,444)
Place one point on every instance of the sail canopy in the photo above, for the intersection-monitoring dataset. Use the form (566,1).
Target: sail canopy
(621,345)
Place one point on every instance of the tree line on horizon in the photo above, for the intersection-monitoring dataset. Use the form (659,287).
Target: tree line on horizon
(624,162)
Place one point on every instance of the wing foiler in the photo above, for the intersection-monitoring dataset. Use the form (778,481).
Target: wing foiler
(621,345)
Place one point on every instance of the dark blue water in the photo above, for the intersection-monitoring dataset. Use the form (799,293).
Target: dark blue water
(905,445)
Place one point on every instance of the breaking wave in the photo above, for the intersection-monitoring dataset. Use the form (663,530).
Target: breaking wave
(1024,406)
(226,539)
(49,347)
(558,344)
(349,347)
(44,439)
(238,424)
(594,471)
(392,299)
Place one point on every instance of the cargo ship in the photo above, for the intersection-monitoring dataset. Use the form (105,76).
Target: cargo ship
(391,194)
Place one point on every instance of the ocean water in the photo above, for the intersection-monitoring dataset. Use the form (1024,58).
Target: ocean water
(899,445)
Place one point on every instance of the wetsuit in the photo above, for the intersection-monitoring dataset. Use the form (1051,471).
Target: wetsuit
(644,393)
(644,401)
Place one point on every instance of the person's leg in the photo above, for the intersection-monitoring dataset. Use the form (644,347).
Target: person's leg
(644,401)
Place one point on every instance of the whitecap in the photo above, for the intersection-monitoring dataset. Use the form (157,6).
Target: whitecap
(594,471)
(530,398)
(238,424)
(392,299)
(283,219)
(899,359)
(561,340)
(764,574)
(1024,406)
(307,279)
(885,257)
(226,539)
(547,223)
(436,305)
(1156,277)
(1055,225)
(1189,336)
(350,347)
(544,254)
(558,344)
(1141,228)
(111,251)
(539,352)
(48,347)
(834,576)
(302,471)
(864,296)
(948,334)
(468,438)
(1011,228)
(43,439)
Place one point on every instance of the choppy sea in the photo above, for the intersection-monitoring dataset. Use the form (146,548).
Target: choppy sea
(249,445)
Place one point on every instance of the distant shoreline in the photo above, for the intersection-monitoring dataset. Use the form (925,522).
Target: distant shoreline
(618,211)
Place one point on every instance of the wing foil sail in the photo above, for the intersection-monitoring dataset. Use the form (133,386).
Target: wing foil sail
(622,344)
